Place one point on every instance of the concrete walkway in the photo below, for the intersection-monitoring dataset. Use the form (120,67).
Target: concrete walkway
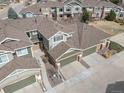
(72,81)
(38,53)
(96,59)
(95,79)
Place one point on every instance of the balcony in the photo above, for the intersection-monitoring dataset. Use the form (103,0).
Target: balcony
(35,39)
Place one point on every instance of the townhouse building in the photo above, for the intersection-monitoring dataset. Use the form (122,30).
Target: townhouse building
(17,64)
(61,41)
(98,9)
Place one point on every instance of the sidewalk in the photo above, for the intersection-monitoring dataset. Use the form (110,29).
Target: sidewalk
(38,53)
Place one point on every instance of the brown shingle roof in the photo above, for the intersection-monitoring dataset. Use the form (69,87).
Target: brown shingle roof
(17,29)
(44,25)
(48,27)
(86,36)
(35,9)
(24,62)
(12,29)
(9,30)
(14,45)
(58,50)
(106,4)
(95,3)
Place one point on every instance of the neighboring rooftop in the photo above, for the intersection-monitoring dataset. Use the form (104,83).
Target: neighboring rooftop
(4,1)
(58,50)
(29,24)
(94,3)
(12,37)
(23,62)
(37,8)
(86,36)
(14,45)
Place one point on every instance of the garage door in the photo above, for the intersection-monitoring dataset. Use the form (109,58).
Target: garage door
(19,85)
(68,60)
(89,51)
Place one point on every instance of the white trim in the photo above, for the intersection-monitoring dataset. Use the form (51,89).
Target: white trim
(73,1)
(10,39)
(4,51)
(62,54)
(18,55)
(68,52)
(23,47)
(55,34)
(91,46)
(18,71)
(31,30)
(6,58)
(69,56)
(23,70)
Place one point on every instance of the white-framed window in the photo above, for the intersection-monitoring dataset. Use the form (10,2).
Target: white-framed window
(60,9)
(28,14)
(77,8)
(58,38)
(34,33)
(68,9)
(3,58)
(22,52)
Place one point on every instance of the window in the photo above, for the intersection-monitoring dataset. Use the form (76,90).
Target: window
(116,10)
(121,15)
(97,14)
(34,33)
(29,14)
(60,15)
(60,9)
(22,52)
(77,9)
(40,10)
(58,38)
(3,58)
(68,9)
(90,7)
(99,8)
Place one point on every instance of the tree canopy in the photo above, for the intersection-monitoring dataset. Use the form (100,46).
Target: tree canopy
(85,16)
(111,16)
(115,1)
(12,14)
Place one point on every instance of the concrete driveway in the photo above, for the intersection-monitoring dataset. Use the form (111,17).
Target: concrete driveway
(72,69)
(95,79)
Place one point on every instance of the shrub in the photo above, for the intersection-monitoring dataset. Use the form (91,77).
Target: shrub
(111,16)
(115,1)
(85,16)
